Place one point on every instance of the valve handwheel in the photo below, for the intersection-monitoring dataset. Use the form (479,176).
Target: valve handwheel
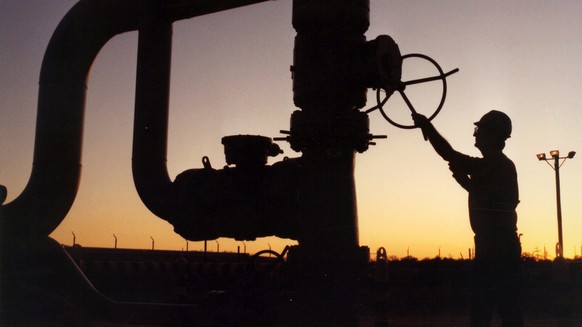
(403,84)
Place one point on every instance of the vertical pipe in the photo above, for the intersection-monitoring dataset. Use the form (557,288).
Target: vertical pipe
(330,204)
(151,117)
(327,34)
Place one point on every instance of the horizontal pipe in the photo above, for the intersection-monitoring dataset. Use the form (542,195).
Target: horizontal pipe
(54,180)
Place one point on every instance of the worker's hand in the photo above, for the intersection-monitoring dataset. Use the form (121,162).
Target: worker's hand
(420,120)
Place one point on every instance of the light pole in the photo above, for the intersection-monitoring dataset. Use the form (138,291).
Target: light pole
(555,157)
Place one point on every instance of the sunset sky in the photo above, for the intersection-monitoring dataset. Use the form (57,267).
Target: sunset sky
(231,76)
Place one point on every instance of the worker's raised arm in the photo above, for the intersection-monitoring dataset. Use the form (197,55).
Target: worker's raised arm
(439,143)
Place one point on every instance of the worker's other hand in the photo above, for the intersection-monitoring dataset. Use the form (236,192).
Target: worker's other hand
(460,175)
(455,168)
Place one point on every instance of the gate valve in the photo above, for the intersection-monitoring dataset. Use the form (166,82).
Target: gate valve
(385,92)
(378,65)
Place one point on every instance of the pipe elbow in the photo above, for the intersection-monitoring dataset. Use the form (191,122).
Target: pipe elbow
(53,184)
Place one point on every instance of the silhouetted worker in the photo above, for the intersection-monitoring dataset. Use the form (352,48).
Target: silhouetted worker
(493,196)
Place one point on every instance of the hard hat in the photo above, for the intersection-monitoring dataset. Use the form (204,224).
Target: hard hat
(496,122)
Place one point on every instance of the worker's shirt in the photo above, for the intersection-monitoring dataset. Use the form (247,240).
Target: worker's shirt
(493,193)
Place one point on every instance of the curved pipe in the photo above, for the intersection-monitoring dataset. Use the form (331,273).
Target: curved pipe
(54,180)
(150,131)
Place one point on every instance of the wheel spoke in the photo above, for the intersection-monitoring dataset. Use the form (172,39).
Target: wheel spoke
(430,79)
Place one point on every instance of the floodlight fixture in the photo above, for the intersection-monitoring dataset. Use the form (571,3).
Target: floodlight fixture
(541,156)
(555,153)
(571,154)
